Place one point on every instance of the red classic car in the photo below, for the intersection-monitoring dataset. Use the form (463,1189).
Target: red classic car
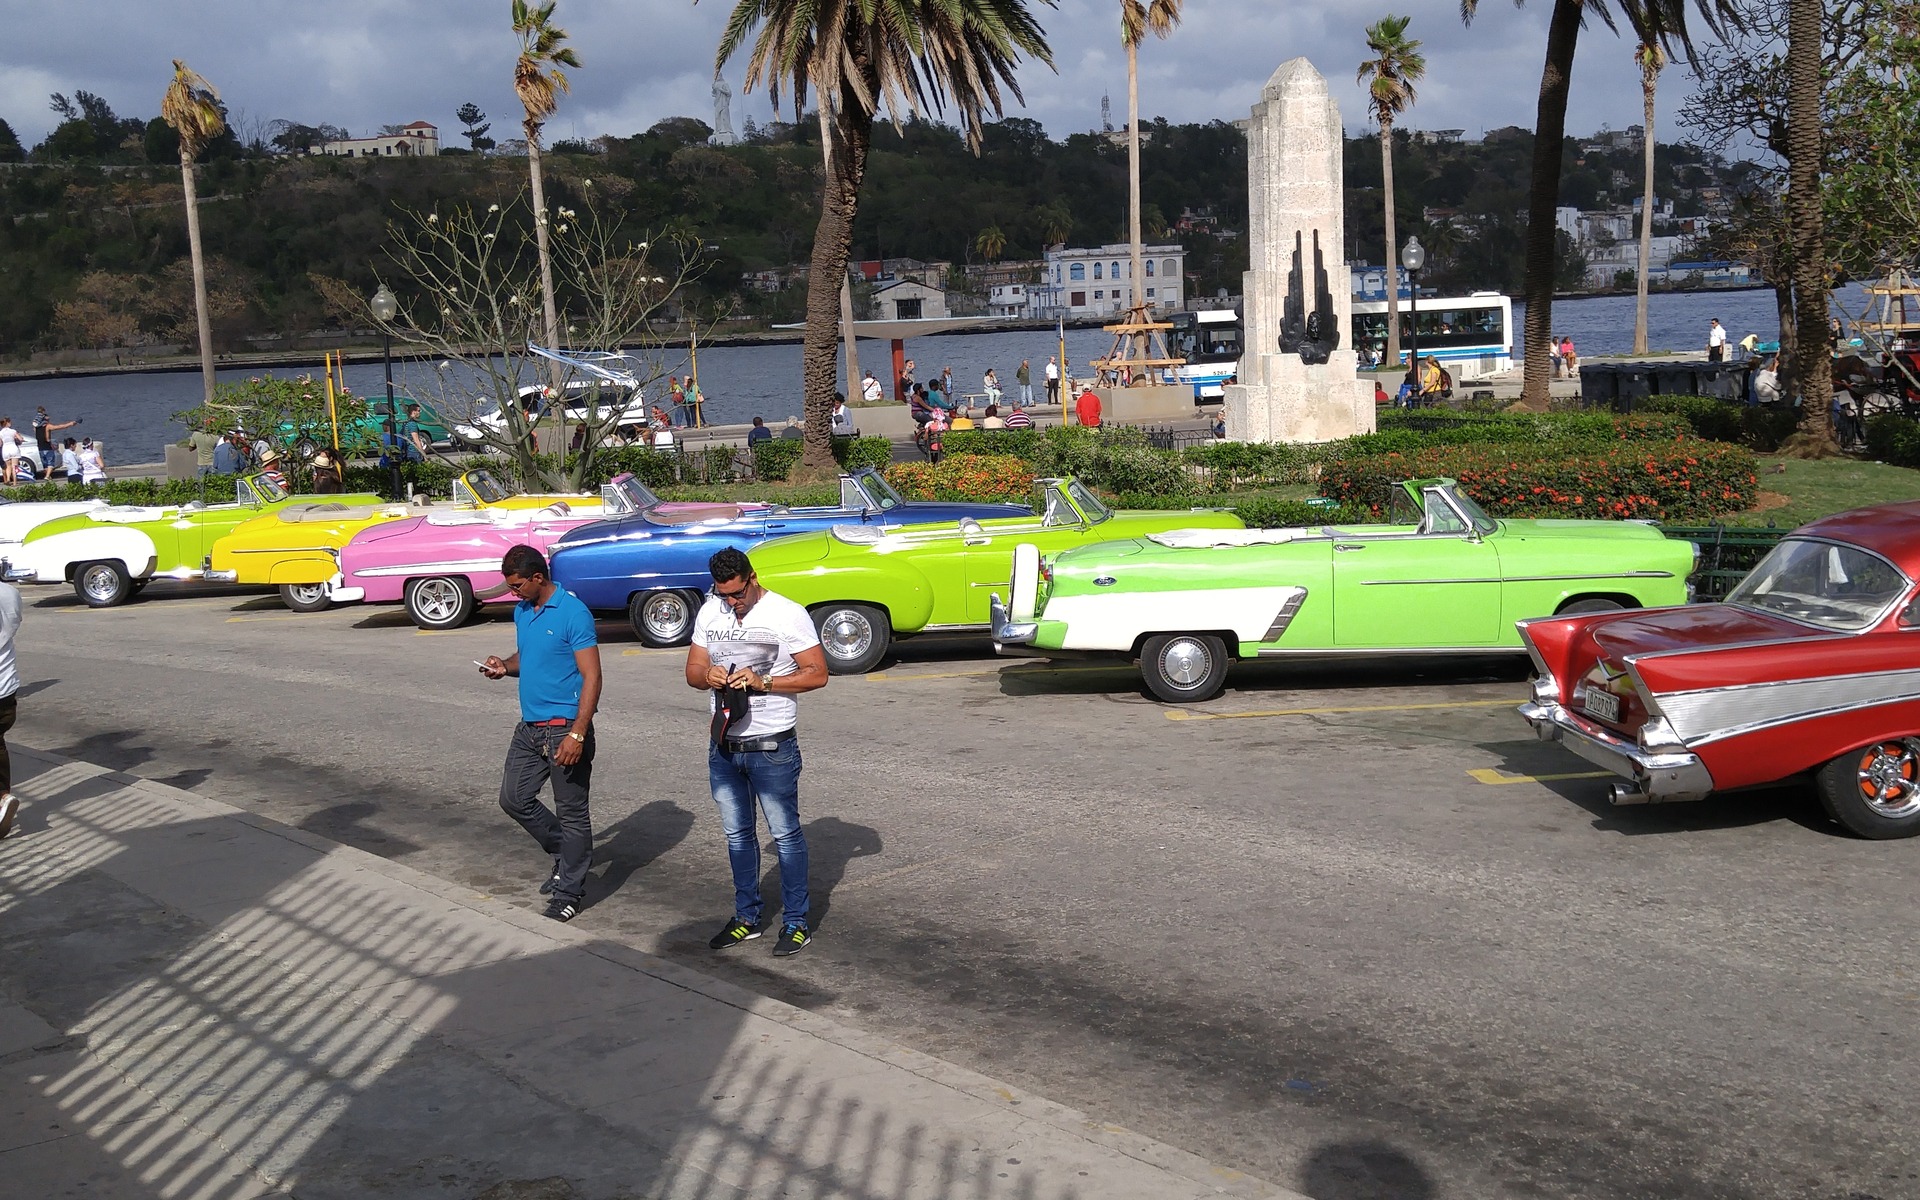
(1810,666)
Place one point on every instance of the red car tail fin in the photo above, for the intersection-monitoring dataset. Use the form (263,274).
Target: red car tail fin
(1550,641)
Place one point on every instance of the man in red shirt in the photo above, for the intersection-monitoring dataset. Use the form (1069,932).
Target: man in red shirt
(1086,409)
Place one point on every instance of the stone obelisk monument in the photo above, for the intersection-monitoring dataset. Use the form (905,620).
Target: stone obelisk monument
(1298,373)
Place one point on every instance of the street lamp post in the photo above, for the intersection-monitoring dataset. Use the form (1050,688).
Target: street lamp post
(384,307)
(1413,256)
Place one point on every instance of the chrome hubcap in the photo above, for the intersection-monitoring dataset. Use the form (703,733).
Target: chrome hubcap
(664,614)
(309,593)
(1185,662)
(1889,778)
(437,599)
(847,635)
(100,583)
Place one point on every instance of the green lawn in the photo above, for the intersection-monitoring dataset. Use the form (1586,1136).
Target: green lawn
(1809,489)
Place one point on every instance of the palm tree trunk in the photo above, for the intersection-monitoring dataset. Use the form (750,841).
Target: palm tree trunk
(199,275)
(1648,81)
(832,243)
(851,355)
(1137,291)
(1805,137)
(548,309)
(1549,132)
(1393,241)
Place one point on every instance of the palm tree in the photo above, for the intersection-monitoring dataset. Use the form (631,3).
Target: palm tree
(1651,57)
(860,56)
(1805,146)
(1669,17)
(990,242)
(1137,19)
(1390,74)
(538,80)
(1056,222)
(192,107)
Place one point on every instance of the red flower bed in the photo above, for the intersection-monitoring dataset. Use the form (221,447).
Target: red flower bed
(975,478)
(1686,480)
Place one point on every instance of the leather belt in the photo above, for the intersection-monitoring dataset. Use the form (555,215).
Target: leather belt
(552,723)
(753,745)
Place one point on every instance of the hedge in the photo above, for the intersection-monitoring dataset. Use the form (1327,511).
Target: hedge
(1894,439)
(1759,427)
(1238,466)
(1680,481)
(1269,512)
(775,458)
(976,478)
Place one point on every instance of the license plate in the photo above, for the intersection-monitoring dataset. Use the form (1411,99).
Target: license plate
(1604,705)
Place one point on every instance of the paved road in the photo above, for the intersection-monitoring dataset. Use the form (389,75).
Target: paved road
(1287,930)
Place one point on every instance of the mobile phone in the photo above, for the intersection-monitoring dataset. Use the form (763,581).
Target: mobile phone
(478,663)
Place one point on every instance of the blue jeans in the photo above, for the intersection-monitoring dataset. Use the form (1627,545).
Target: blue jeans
(773,778)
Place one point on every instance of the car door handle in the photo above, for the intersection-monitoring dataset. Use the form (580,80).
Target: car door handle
(1345,546)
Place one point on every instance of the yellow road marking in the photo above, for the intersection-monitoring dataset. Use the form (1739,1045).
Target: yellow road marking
(1179,715)
(273,617)
(1495,775)
(645,650)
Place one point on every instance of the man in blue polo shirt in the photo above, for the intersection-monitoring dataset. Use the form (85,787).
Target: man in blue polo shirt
(558,663)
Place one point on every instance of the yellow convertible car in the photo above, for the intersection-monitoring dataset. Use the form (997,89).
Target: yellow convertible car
(298,550)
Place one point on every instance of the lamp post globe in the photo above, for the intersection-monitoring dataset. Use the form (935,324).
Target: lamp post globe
(384,308)
(1413,256)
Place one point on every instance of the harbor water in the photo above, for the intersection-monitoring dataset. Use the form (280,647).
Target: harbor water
(132,414)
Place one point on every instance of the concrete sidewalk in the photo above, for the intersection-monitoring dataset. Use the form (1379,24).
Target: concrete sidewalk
(199,1002)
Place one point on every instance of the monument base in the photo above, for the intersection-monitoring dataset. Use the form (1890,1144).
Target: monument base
(1159,402)
(1288,401)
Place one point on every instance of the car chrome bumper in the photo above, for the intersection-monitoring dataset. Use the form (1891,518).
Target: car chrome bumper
(1010,636)
(209,575)
(13,574)
(347,595)
(1655,776)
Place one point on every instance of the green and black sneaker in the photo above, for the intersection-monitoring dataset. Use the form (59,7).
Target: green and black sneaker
(793,939)
(737,931)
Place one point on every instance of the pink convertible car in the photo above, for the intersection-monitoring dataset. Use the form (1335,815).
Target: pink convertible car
(444,564)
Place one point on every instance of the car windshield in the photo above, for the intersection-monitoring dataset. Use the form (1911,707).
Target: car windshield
(1442,517)
(480,487)
(263,488)
(1822,583)
(630,495)
(878,491)
(1088,503)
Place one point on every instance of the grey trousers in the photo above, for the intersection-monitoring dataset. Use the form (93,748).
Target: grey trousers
(565,830)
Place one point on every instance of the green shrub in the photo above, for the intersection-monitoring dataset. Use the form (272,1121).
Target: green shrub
(1894,439)
(1272,512)
(974,478)
(1019,443)
(1680,481)
(1235,466)
(776,457)
(1759,427)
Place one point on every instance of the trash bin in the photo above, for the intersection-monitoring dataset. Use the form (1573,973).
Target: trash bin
(1676,379)
(1632,381)
(1597,385)
(1724,381)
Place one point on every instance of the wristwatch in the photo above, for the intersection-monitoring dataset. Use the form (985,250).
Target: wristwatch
(766,683)
(577,736)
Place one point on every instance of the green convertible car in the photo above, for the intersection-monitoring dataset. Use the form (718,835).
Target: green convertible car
(866,585)
(1442,577)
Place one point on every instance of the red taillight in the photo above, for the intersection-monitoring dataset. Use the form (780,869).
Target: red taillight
(1046,573)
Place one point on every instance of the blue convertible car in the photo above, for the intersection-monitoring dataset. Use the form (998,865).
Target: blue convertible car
(653,565)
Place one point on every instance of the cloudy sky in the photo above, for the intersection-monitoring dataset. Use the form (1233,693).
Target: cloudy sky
(361,63)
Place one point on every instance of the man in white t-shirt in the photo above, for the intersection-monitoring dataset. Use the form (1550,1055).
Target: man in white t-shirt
(870,389)
(754,651)
(1053,381)
(1716,341)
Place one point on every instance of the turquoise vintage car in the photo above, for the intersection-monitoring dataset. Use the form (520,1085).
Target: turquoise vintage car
(867,585)
(1442,577)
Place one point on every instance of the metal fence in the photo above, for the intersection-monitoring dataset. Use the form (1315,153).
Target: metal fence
(1727,553)
(1166,437)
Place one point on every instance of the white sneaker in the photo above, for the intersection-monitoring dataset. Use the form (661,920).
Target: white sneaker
(9,805)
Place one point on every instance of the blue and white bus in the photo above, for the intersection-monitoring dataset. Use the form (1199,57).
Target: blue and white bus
(1471,336)
(1210,341)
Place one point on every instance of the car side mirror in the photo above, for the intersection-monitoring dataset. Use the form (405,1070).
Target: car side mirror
(1910,615)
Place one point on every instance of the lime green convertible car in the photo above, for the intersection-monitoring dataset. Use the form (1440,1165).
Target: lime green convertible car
(1441,577)
(866,585)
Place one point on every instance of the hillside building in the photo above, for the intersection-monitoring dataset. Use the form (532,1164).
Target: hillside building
(1095,282)
(419,138)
